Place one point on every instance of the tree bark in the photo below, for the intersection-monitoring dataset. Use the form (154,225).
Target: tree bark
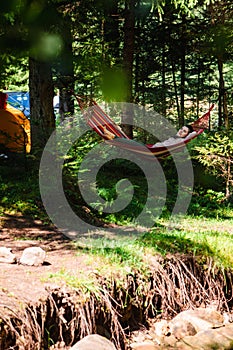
(164,104)
(65,69)
(228,178)
(182,90)
(175,88)
(223,111)
(111,34)
(41,102)
(183,72)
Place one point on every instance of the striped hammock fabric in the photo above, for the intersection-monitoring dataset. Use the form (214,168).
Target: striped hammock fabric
(101,123)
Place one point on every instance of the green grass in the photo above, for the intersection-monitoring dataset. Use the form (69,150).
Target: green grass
(82,282)
(188,235)
(122,255)
(19,189)
(209,234)
(214,244)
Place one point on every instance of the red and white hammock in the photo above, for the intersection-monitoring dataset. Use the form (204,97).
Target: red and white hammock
(101,123)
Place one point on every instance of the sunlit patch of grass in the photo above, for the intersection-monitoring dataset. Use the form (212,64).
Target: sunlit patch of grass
(104,258)
(195,236)
(83,282)
(119,256)
(200,224)
(185,235)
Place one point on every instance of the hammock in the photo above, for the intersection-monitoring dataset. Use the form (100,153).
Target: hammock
(102,124)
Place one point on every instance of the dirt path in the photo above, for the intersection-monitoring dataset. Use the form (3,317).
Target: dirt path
(29,283)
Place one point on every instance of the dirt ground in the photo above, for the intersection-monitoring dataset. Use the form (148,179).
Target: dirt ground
(29,283)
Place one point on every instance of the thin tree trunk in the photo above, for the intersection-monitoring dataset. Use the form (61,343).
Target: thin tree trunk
(182,90)
(228,177)
(164,109)
(220,92)
(223,111)
(183,72)
(175,89)
(198,85)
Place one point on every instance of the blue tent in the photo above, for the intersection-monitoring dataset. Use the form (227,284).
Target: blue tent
(19,100)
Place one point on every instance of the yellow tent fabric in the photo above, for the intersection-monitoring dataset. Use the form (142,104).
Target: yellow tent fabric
(15,130)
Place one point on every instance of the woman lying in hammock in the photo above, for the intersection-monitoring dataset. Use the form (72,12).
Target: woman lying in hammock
(182,133)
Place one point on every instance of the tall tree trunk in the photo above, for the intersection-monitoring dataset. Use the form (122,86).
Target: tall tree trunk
(183,71)
(128,57)
(41,102)
(111,34)
(182,89)
(66,74)
(220,14)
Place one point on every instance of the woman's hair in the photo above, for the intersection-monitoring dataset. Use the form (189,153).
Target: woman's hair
(190,128)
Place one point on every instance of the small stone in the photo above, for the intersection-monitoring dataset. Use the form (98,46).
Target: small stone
(93,341)
(180,329)
(6,256)
(33,256)
(162,328)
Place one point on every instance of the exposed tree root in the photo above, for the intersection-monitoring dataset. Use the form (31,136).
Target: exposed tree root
(117,307)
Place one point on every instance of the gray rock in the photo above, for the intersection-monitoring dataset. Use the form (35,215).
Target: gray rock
(6,256)
(144,346)
(221,338)
(190,322)
(33,256)
(93,342)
